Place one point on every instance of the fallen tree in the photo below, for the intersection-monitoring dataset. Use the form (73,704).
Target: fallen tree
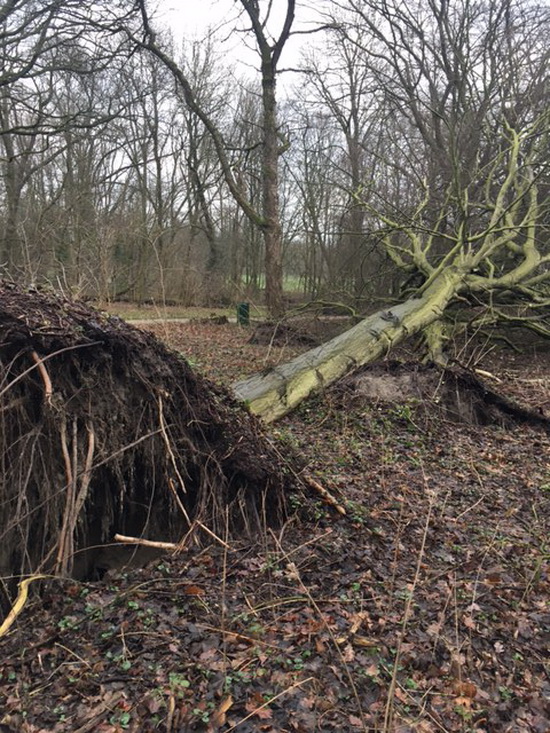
(459,192)
(496,265)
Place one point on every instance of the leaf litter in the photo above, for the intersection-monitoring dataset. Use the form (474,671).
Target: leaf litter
(424,608)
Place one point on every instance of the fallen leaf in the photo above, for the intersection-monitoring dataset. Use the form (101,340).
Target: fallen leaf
(256,705)
(218,718)
(364,641)
(433,629)
(348,654)
(465,689)
(193,590)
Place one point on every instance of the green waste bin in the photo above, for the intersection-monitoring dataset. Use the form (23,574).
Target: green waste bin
(243,314)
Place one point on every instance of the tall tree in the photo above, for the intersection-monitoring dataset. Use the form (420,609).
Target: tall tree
(341,98)
(269,49)
(343,89)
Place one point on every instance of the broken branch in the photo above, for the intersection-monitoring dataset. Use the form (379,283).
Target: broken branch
(326,496)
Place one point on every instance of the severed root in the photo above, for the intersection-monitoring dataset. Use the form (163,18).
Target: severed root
(488,375)
(19,602)
(328,498)
(146,543)
(170,545)
(48,389)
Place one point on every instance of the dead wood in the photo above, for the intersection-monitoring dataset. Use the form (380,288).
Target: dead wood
(326,496)
(147,543)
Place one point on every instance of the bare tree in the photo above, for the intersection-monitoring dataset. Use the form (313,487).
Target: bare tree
(39,38)
(44,44)
(214,93)
(340,102)
(270,53)
(344,88)
(311,164)
(267,218)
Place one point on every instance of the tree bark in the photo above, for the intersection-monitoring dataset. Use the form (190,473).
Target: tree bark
(270,54)
(272,230)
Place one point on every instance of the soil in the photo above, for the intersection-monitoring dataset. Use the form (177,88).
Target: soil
(423,608)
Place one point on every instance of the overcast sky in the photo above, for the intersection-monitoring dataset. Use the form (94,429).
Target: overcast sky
(193,18)
(189,17)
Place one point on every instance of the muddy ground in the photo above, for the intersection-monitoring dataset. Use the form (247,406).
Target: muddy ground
(425,607)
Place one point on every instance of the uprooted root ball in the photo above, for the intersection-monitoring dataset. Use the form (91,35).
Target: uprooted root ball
(105,430)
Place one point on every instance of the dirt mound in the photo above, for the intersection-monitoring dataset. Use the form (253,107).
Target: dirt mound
(105,430)
(457,393)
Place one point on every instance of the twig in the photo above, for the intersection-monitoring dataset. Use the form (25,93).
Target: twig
(174,464)
(489,375)
(212,534)
(146,543)
(102,708)
(388,713)
(62,551)
(74,654)
(317,540)
(125,448)
(170,545)
(469,509)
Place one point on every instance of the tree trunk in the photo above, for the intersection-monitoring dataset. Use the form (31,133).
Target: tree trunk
(276,393)
(272,230)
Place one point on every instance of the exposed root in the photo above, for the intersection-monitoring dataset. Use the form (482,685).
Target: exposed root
(457,392)
(146,543)
(116,434)
(48,390)
(19,604)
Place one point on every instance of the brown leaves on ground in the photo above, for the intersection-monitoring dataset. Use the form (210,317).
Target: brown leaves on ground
(222,352)
(424,609)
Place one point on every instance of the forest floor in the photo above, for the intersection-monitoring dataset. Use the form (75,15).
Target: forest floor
(424,608)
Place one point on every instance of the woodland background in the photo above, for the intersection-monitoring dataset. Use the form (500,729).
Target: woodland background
(395,119)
